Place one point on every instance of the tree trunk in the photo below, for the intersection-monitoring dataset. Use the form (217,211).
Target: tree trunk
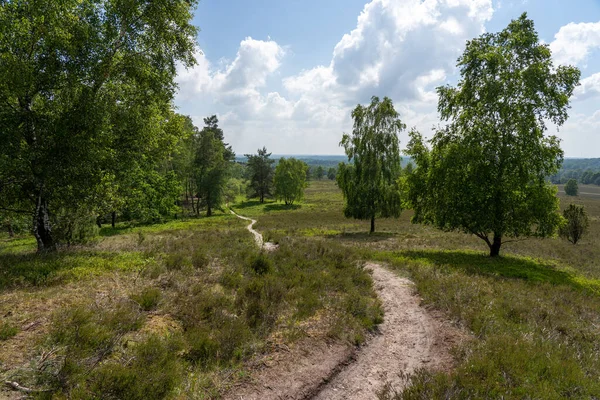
(372,224)
(495,246)
(41,226)
(99,221)
(113,219)
(208,206)
(11,233)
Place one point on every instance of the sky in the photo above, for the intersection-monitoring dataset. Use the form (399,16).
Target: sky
(286,74)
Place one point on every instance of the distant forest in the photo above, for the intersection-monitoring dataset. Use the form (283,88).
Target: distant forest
(584,170)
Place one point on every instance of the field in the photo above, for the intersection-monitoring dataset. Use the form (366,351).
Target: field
(179,310)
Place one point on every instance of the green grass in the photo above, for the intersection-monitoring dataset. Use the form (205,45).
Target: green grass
(198,292)
(534,327)
(532,314)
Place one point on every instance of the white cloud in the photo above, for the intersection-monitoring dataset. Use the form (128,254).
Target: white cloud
(399,48)
(573,42)
(589,87)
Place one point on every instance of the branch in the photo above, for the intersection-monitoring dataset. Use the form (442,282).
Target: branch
(514,240)
(16,386)
(15,210)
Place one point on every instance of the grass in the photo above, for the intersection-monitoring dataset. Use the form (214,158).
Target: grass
(191,299)
(195,299)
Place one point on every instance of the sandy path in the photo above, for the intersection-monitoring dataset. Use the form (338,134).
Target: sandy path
(410,337)
(258,238)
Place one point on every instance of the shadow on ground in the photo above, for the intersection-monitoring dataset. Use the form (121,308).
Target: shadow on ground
(535,271)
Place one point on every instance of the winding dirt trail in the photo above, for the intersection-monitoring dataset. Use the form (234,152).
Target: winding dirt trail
(410,337)
(258,238)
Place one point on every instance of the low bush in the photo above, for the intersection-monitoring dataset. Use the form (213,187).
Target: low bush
(148,298)
(7,330)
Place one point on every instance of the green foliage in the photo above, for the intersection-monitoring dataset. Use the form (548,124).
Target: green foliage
(331,173)
(369,183)
(571,188)
(153,372)
(290,180)
(148,298)
(486,171)
(577,223)
(86,91)
(260,168)
(260,263)
(211,165)
(7,330)
(74,226)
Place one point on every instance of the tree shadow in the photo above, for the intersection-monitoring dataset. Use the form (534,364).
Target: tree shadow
(246,204)
(364,236)
(281,207)
(536,271)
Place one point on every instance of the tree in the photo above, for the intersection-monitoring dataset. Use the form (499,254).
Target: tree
(85,88)
(211,166)
(331,173)
(290,180)
(369,181)
(319,172)
(260,167)
(577,223)
(486,171)
(571,188)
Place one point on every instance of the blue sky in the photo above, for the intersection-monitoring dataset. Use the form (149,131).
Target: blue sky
(286,73)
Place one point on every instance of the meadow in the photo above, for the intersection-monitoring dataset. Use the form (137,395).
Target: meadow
(178,309)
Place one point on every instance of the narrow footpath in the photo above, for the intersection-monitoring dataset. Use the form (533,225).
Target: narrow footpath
(410,337)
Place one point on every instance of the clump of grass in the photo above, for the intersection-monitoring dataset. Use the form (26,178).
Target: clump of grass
(260,263)
(148,298)
(152,371)
(176,261)
(7,330)
(86,335)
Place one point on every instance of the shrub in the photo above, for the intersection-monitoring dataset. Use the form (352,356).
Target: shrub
(152,373)
(176,261)
(74,226)
(87,336)
(576,225)
(571,188)
(200,259)
(7,330)
(148,298)
(260,263)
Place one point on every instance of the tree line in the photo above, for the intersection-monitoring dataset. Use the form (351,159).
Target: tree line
(88,128)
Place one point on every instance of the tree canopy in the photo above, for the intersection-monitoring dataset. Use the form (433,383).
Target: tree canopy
(211,165)
(85,96)
(290,180)
(571,187)
(369,181)
(261,170)
(486,171)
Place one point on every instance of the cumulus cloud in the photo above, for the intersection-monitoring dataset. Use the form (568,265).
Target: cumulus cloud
(589,88)
(399,48)
(573,42)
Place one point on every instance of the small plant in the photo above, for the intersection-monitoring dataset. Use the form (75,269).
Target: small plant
(148,298)
(176,261)
(7,330)
(260,264)
(577,223)
(200,259)
(571,188)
